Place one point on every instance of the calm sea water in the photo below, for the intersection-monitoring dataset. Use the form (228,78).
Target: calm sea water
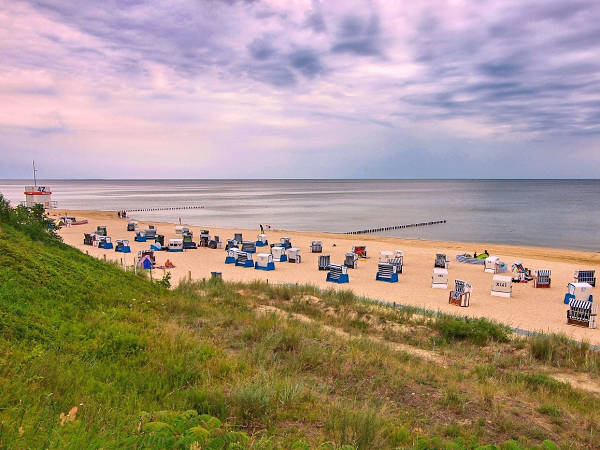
(550,213)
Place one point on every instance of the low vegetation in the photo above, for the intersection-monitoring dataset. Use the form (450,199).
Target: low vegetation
(91,356)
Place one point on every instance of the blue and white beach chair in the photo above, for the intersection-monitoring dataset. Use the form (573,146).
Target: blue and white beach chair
(264,261)
(337,274)
(244,259)
(387,272)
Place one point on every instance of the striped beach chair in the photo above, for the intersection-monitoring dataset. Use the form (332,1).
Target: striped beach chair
(398,262)
(324,261)
(461,295)
(351,260)
(441,261)
(387,272)
(585,276)
(337,274)
(316,247)
(542,278)
(244,259)
(582,313)
(249,246)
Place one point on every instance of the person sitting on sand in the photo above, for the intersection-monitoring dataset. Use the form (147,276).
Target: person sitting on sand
(474,254)
(169,264)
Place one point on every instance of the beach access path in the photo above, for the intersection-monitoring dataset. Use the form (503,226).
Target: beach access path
(528,308)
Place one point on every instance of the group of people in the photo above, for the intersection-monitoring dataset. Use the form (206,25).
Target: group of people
(122,214)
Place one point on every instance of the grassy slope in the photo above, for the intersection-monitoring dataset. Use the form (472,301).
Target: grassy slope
(275,362)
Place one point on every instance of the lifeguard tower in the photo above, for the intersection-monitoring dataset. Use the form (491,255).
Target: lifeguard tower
(38,195)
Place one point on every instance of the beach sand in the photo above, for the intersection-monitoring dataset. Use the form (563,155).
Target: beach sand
(528,308)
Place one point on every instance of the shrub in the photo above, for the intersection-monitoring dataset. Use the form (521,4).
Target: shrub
(477,331)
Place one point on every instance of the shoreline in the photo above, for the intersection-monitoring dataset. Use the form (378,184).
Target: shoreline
(536,310)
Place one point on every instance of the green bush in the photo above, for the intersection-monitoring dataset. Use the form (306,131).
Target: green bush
(478,331)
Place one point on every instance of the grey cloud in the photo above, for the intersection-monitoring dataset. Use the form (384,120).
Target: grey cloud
(359,36)
(306,61)
(261,49)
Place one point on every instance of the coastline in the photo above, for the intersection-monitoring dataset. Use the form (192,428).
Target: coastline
(528,308)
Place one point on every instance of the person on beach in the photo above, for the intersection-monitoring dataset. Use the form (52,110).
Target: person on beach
(262,230)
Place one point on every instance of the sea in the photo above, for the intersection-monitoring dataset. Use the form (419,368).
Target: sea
(545,213)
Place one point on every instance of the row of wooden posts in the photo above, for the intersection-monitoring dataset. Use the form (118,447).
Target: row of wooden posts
(397,227)
(169,208)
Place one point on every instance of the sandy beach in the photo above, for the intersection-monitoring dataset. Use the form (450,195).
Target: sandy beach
(528,308)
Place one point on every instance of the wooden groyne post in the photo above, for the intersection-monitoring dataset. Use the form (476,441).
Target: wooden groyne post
(397,227)
(166,208)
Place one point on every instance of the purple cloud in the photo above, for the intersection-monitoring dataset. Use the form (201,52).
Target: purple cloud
(365,81)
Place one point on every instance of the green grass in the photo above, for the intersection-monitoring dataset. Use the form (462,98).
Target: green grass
(208,365)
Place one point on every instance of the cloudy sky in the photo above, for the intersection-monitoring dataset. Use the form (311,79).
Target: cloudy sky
(300,88)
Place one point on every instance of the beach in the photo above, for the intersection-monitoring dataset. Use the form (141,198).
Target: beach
(528,308)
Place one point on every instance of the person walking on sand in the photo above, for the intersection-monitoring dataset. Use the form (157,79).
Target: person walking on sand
(262,230)
(180,221)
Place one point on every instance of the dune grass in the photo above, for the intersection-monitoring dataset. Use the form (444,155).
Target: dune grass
(229,365)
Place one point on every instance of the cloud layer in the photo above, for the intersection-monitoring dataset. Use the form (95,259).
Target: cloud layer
(300,89)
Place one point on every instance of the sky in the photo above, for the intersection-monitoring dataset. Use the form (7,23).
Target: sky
(300,89)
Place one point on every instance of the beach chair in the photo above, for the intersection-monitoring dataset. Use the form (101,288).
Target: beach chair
(132,225)
(439,278)
(293,255)
(316,247)
(337,274)
(501,286)
(578,291)
(398,262)
(204,238)
(175,245)
(441,261)
(520,273)
(237,237)
(351,260)
(101,230)
(140,236)
(324,261)
(249,247)
(215,243)
(582,313)
(231,257)
(461,295)
(244,259)
(231,243)
(122,246)
(278,253)
(542,278)
(360,251)
(261,241)
(385,256)
(151,233)
(105,242)
(188,242)
(387,272)
(489,264)
(585,276)
(88,238)
(264,261)
(285,242)
(159,243)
